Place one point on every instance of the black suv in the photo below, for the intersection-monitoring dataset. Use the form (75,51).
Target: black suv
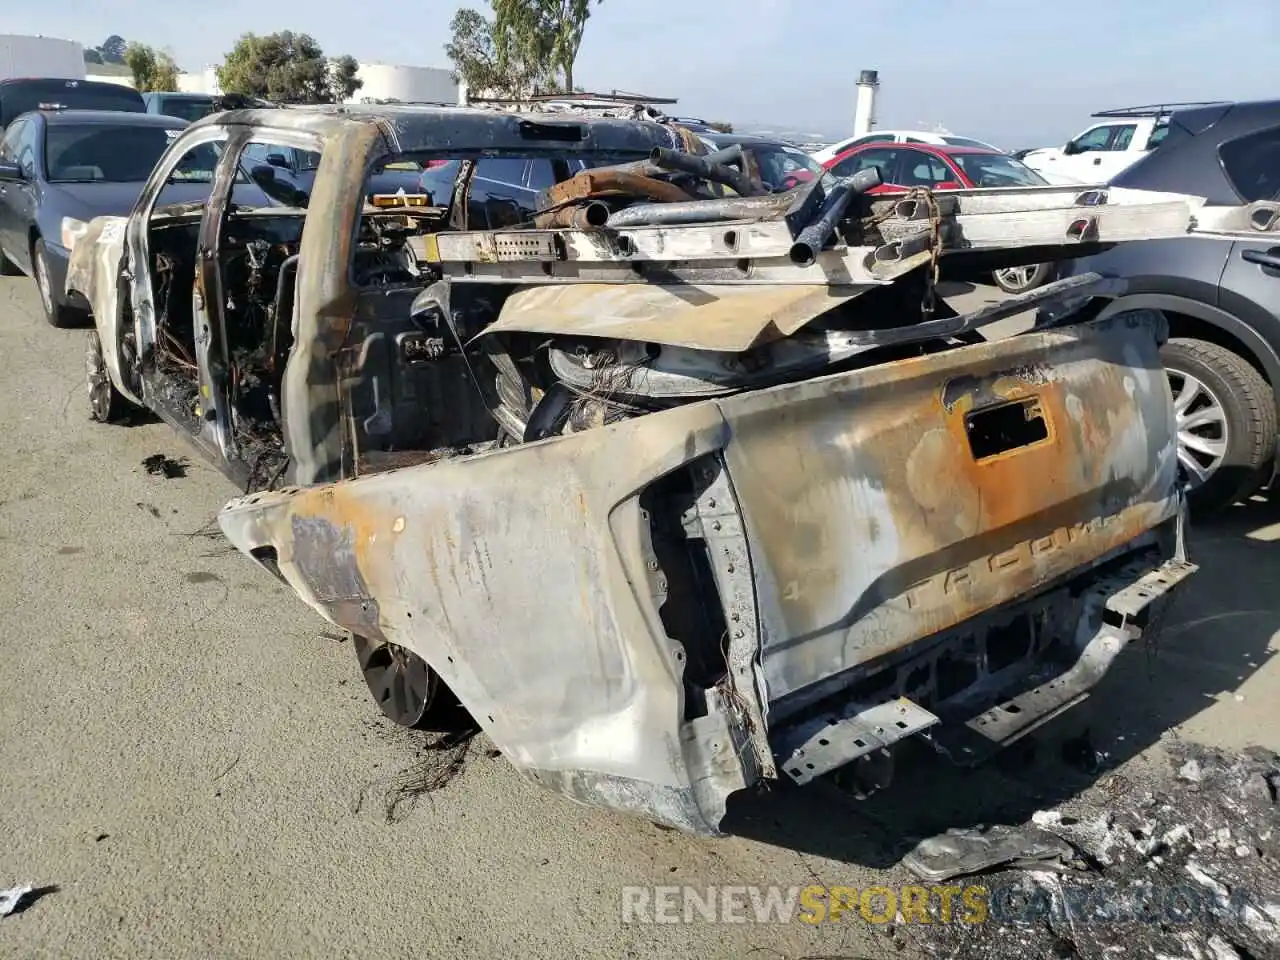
(1220,293)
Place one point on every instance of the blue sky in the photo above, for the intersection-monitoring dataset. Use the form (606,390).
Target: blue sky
(1017,73)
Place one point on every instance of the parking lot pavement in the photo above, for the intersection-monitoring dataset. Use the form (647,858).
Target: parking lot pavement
(185,745)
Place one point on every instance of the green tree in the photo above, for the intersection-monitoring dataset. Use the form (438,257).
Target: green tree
(545,32)
(113,49)
(288,67)
(151,69)
(343,82)
(487,63)
(91,55)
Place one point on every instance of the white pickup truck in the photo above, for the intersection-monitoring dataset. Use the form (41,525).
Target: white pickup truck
(1109,146)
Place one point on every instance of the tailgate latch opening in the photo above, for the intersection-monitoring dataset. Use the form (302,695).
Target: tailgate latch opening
(1005,427)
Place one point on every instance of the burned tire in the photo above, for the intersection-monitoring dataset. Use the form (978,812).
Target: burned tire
(106,403)
(1022,279)
(1226,422)
(405,688)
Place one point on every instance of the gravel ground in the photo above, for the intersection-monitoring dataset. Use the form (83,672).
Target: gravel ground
(190,765)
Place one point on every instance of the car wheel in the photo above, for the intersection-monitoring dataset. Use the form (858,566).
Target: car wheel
(106,403)
(1024,278)
(8,268)
(403,685)
(57,313)
(1226,422)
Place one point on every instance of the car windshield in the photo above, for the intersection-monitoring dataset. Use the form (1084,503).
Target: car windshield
(997,170)
(782,166)
(108,152)
(190,109)
(965,142)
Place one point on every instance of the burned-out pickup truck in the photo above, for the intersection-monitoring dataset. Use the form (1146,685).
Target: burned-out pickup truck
(677,484)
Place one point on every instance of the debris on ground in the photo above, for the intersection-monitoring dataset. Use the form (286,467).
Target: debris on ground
(1181,865)
(9,899)
(959,852)
(440,758)
(158,465)
(210,531)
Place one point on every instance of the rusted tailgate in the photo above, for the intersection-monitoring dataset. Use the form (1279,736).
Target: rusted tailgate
(884,506)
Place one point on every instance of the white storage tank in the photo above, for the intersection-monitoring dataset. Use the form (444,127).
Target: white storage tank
(22,56)
(206,81)
(383,81)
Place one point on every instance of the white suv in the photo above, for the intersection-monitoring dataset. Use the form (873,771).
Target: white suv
(900,136)
(1104,149)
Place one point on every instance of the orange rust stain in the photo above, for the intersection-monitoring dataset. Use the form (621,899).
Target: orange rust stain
(945,508)
(336,505)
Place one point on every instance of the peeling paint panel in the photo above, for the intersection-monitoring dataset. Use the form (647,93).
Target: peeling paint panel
(874,525)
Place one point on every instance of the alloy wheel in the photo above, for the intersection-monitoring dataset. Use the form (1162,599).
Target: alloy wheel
(1018,276)
(401,683)
(1201,421)
(41,271)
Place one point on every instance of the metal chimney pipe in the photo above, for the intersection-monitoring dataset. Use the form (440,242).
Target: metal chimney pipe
(864,110)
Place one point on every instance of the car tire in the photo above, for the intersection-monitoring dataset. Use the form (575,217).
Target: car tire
(8,268)
(1022,279)
(1226,422)
(57,313)
(405,687)
(106,403)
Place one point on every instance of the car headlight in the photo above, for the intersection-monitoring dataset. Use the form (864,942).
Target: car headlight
(72,230)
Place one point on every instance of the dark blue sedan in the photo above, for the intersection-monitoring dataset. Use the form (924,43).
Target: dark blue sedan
(59,170)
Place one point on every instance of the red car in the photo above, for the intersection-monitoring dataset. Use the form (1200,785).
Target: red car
(906,165)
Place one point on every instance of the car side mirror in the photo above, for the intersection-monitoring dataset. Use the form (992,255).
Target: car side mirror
(10,171)
(278,160)
(1071,148)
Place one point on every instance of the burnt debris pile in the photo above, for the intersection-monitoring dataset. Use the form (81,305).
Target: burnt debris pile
(1183,864)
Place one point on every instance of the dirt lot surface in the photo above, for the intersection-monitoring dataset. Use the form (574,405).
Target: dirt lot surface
(190,766)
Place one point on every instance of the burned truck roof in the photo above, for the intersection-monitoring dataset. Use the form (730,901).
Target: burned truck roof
(459,130)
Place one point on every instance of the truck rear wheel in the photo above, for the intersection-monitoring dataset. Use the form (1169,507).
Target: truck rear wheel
(106,403)
(405,688)
(1226,422)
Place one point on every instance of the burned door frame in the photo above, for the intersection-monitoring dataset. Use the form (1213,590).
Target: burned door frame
(135,275)
(217,359)
(325,302)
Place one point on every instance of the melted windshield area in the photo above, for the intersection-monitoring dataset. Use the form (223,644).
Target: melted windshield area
(997,170)
(110,153)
